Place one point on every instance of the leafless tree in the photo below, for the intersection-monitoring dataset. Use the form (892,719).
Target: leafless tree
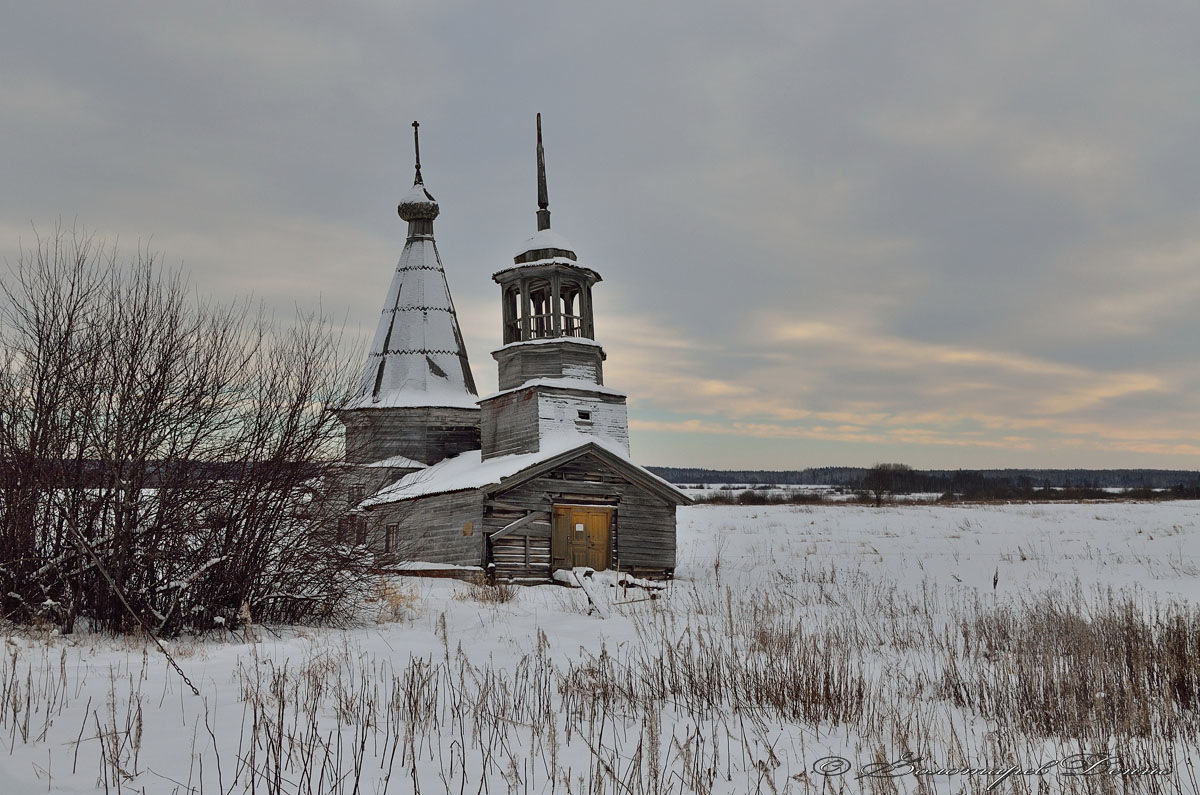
(882,480)
(162,458)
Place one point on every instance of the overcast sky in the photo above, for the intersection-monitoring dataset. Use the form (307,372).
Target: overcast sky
(948,234)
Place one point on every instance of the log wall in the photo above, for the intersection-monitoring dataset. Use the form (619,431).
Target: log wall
(510,424)
(441,528)
(423,433)
(559,359)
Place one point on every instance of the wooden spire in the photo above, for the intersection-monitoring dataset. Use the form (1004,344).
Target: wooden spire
(543,213)
(417,146)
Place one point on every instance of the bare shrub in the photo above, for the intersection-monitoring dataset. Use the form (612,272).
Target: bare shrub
(162,457)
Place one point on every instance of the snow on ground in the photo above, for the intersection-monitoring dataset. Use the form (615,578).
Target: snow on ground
(797,646)
(1036,546)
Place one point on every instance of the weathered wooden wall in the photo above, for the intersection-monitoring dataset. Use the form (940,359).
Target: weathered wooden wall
(518,421)
(643,528)
(562,358)
(523,558)
(432,529)
(423,433)
(510,424)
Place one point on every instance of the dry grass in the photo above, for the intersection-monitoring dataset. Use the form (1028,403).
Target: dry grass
(1057,666)
(396,601)
(479,589)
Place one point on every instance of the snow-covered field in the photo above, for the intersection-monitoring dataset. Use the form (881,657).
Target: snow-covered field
(799,647)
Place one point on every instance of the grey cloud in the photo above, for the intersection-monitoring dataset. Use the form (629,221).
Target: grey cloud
(1012,178)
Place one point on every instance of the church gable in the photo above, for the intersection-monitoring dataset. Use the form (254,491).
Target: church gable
(591,509)
(589,469)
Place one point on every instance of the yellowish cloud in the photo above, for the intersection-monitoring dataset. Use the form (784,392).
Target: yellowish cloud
(953,396)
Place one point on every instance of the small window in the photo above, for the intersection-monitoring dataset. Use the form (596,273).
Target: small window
(352,530)
(586,416)
(389,536)
(356,492)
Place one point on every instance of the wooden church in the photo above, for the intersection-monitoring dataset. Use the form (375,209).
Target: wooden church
(534,478)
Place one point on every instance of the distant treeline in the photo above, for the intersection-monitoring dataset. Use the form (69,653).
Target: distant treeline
(982,483)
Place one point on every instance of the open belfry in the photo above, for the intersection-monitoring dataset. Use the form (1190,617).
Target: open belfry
(529,480)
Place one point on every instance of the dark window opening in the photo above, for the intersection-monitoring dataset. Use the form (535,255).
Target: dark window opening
(512,315)
(541,317)
(572,319)
(352,529)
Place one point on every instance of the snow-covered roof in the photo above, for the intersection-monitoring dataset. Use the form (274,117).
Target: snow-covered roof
(546,238)
(469,471)
(417,357)
(463,471)
(396,462)
(560,383)
(548,340)
(541,263)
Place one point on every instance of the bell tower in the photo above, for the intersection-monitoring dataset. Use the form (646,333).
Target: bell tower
(551,376)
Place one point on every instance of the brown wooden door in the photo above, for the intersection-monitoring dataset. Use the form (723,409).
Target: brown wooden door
(580,537)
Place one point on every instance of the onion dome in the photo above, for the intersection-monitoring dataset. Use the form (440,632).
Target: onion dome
(418,204)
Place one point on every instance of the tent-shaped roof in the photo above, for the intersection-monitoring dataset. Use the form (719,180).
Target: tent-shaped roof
(417,357)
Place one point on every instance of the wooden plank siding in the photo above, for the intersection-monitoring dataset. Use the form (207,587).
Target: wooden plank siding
(563,358)
(423,433)
(522,558)
(431,529)
(510,424)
